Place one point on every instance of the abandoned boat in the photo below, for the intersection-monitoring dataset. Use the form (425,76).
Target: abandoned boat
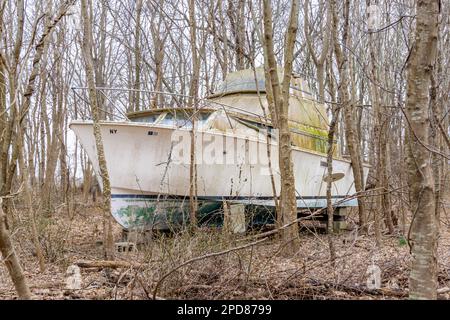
(236,155)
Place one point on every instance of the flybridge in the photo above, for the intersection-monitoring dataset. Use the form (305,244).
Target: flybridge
(254,81)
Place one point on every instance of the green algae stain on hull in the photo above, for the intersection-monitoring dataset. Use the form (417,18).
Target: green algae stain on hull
(164,214)
(131,213)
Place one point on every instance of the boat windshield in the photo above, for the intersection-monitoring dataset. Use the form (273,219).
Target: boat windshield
(182,119)
(147,119)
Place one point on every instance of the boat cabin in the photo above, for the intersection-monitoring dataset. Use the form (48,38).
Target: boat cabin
(240,104)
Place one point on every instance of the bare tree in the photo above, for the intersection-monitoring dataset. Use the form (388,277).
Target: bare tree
(423,277)
(319,61)
(193,100)
(106,188)
(280,92)
(340,49)
(137,56)
(17,121)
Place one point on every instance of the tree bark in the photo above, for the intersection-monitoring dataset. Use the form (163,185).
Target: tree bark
(423,277)
(11,260)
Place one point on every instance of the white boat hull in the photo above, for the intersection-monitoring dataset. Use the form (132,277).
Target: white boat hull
(145,166)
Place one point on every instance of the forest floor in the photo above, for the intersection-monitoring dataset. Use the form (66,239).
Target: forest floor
(255,272)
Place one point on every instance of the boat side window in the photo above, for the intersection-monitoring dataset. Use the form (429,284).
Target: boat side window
(167,119)
(203,116)
(178,119)
(183,120)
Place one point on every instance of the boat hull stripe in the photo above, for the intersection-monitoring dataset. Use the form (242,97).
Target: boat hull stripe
(213,198)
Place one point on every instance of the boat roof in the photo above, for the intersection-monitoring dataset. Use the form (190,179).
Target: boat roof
(147,112)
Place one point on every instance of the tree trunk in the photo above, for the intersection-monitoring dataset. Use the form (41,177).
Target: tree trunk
(193,100)
(319,62)
(375,99)
(348,104)
(423,277)
(137,56)
(89,66)
(10,258)
(236,17)
(31,214)
(288,202)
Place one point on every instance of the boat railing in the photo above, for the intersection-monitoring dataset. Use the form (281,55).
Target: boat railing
(115,102)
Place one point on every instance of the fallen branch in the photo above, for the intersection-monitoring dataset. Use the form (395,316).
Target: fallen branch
(443,290)
(106,264)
